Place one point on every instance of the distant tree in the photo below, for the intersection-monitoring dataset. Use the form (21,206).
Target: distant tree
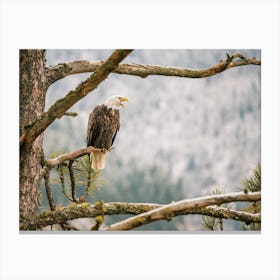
(35,79)
(149,185)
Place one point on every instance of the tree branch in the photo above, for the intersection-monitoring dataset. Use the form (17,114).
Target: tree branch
(59,71)
(62,181)
(70,114)
(49,163)
(64,225)
(58,109)
(71,156)
(72,180)
(112,208)
(226,213)
(49,191)
(168,211)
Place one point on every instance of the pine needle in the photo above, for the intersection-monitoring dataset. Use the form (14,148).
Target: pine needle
(253,183)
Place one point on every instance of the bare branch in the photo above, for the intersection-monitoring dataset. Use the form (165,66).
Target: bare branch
(70,114)
(72,180)
(71,156)
(49,163)
(62,70)
(49,191)
(88,182)
(112,208)
(168,211)
(64,225)
(62,181)
(58,109)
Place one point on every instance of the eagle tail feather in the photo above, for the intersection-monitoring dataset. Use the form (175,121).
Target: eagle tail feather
(98,160)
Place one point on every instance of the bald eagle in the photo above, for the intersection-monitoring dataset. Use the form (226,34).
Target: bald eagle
(103,125)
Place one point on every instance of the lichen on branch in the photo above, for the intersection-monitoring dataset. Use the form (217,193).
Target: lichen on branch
(170,210)
(145,211)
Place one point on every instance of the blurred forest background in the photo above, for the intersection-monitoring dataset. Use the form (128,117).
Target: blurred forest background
(179,137)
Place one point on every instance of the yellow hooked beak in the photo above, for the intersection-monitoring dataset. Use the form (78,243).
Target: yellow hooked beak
(123,99)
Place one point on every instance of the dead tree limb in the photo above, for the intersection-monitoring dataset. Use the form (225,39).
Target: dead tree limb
(61,70)
(72,180)
(48,190)
(86,210)
(49,163)
(168,211)
(71,156)
(59,108)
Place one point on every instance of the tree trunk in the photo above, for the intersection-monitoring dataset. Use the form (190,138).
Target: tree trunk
(33,86)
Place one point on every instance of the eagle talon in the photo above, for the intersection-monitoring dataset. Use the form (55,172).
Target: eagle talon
(103,150)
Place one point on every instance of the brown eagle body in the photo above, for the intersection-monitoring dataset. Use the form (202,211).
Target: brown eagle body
(103,125)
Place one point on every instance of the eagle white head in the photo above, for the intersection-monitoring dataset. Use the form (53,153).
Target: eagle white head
(115,101)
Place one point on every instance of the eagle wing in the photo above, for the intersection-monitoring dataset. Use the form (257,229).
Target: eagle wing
(93,127)
(103,125)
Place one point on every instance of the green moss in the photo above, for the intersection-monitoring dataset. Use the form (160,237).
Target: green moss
(99,205)
(99,219)
(84,205)
(138,221)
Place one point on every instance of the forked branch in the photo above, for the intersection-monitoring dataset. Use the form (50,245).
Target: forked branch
(61,106)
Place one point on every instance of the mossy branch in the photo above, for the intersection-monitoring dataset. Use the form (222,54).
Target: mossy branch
(145,210)
(58,109)
(61,70)
(52,162)
(170,210)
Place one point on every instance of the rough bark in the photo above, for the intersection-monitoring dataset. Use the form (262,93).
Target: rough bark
(58,109)
(33,119)
(33,86)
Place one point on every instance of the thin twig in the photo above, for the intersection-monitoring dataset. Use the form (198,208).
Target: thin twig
(64,225)
(88,180)
(221,224)
(61,173)
(70,114)
(72,180)
(48,190)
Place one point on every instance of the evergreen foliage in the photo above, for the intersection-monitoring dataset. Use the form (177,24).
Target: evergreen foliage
(86,182)
(253,183)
